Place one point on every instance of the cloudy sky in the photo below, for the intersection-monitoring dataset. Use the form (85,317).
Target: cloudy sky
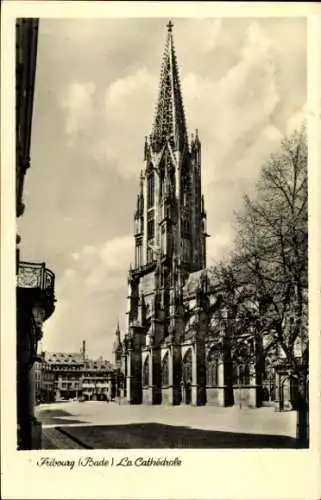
(244,87)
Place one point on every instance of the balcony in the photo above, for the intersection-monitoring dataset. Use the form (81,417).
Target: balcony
(144,269)
(35,286)
(33,275)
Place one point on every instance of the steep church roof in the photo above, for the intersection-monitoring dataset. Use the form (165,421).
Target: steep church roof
(170,117)
(204,280)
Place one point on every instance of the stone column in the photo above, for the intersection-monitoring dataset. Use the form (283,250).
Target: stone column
(194,376)
(221,393)
(147,388)
(129,376)
(134,374)
(144,257)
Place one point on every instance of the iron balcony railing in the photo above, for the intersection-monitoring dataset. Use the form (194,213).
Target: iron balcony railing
(145,268)
(34,275)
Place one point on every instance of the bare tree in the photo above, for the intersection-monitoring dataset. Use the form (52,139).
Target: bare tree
(267,278)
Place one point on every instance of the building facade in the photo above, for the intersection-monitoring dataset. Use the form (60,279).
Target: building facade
(175,350)
(64,376)
(35,283)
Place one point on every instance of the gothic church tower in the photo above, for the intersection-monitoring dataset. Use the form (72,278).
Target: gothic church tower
(169,234)
(170,212)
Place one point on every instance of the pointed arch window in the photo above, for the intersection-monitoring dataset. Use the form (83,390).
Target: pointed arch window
(241,374)
(150,188)
(138,252)
(241,365)
(150,228)
(146,372)
(187,372)
(213,358)
(165,370)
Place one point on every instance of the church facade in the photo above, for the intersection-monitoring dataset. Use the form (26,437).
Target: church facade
(174,351)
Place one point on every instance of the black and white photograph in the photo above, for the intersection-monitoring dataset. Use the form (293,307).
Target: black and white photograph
(133,209)
(162,236)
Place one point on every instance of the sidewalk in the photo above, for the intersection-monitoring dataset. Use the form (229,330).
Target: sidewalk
(53,439)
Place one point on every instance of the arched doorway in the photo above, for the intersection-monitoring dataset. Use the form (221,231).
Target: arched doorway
(187,377)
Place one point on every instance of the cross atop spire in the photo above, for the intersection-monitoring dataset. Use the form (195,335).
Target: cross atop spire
(169,26)
(170,118)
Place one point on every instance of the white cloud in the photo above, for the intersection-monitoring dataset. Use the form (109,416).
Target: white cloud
(212,28)
(86,291)
(219,244)
(235,130)
(128,104)
(116,254)
(296,120)
(79,107)
(234,117)
(101,268)
(257,43)
(108,270)
(66,280)
(128,88)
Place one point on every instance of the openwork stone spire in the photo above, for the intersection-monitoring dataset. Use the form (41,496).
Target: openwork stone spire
(170,117)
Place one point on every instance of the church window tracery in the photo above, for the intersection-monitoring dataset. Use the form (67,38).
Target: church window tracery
(241,374)
(212,366)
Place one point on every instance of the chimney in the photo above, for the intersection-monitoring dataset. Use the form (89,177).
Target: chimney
(84,349)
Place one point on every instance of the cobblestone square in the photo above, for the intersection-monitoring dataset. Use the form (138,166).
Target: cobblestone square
(99,425)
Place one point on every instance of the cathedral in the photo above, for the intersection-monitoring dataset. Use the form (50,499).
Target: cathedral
(173,351)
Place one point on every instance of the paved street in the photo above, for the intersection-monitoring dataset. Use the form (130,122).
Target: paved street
(110,425)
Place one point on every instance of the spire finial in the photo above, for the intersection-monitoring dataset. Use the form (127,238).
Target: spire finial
(170,26)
